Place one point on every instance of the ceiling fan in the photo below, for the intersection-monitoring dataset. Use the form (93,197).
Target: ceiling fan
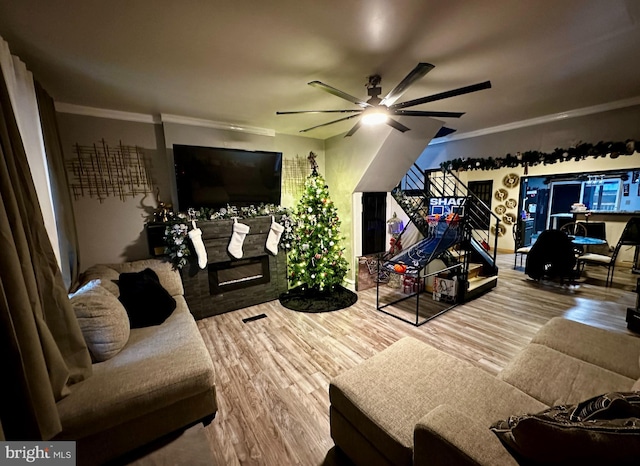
(377,110)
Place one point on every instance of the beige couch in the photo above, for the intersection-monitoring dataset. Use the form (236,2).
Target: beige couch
(413,404)
(162,380)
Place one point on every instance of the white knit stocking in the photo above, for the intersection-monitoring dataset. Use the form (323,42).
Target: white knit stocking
(196,238)
(240,230)
(274,237)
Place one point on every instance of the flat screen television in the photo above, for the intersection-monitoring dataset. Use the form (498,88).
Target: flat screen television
(214,177)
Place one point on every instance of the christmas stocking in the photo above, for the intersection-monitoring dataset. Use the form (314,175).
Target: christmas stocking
(274,237)
(196,238)
(240,230)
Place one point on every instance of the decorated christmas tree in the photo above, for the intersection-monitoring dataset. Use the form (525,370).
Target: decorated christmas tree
(316,261)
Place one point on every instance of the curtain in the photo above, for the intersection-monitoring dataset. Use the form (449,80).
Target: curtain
(42,348)
(65,220)
(19,82)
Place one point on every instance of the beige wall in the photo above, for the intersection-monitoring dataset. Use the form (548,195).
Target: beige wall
(615,224)
(373,160)
(114,231)
(614,125)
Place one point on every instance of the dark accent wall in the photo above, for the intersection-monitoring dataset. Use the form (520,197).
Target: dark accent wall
(216,236)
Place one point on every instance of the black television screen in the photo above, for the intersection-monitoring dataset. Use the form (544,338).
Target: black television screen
(215,177)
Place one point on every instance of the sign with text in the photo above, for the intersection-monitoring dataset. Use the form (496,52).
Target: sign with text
(58,453)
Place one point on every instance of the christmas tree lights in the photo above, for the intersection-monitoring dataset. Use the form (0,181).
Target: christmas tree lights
(316,259)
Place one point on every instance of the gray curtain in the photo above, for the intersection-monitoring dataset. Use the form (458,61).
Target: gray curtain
(42,349)
(65,219)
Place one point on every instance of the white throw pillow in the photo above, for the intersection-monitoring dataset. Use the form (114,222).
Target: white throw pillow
(103,320)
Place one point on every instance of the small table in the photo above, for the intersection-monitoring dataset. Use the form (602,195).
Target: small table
(586,241)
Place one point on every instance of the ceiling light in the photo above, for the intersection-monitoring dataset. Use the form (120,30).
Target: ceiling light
(374,116)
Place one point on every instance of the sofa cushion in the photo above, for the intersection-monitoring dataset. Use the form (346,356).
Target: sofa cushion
(169,277)
(612,350)
(386,396)
(445,436)
(107,276)
(146,301)
(555,378)
(110,273)
(102,319)
(158,367)
(601,430)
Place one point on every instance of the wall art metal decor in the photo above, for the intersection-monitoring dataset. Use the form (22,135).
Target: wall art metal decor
(511,180)
(511,203)
(101,171)
(294,173)
(501,194)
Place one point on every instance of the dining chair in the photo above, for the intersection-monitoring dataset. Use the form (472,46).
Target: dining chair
(630,237)
(574,229)
(521,251)
(597,230)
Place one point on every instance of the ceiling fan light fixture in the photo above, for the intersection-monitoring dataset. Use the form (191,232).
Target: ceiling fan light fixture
(374,116)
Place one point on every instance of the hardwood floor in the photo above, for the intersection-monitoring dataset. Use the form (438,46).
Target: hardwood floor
(273,373)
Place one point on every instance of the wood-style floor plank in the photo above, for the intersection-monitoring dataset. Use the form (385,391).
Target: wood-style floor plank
(273,373)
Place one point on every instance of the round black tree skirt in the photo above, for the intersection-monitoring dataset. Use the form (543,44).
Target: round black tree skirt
(307,300)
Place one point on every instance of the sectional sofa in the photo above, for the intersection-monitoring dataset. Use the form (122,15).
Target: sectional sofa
(159,379)
(413,404)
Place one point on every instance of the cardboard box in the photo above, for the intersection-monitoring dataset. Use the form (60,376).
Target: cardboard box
(445,290)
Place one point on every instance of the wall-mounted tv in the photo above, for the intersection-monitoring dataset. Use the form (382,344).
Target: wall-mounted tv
(214,177)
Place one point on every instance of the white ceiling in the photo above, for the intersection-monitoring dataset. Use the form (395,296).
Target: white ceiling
(240,61)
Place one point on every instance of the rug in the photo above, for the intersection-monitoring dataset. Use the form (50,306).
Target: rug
(305,300)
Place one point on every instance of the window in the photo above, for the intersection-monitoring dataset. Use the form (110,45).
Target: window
(597,193)
(483,190)
(603,195)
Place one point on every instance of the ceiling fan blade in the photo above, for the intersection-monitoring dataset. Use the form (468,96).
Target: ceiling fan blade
(443,95)
(330,123)
(428,113)
(397,125)
(444,131)
(339,93)
(318,111)
(418,72)
(355,128)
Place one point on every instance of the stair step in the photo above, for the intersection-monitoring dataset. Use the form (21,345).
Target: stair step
(477,282)
(474,270)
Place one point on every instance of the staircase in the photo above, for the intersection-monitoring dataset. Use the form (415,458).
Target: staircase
(479,272)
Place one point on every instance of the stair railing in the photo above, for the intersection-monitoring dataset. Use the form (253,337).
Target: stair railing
(417,187)
(481,218)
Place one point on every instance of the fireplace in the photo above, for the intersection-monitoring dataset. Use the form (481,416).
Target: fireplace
(226,283)
(238,274)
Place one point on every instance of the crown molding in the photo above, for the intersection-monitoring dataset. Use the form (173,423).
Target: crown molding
(63,107)
(541,120)
(182,120)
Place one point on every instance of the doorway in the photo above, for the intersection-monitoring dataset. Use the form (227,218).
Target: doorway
(563,195)
(374,214)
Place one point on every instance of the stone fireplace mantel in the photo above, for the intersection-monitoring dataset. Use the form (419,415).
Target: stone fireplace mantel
(266,274)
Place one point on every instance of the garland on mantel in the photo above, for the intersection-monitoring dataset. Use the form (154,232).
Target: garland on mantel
(532,158)
(177,226)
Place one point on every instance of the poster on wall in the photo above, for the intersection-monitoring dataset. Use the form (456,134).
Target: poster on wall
(625,189)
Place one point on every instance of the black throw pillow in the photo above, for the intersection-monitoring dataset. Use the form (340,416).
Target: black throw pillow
(145,299)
